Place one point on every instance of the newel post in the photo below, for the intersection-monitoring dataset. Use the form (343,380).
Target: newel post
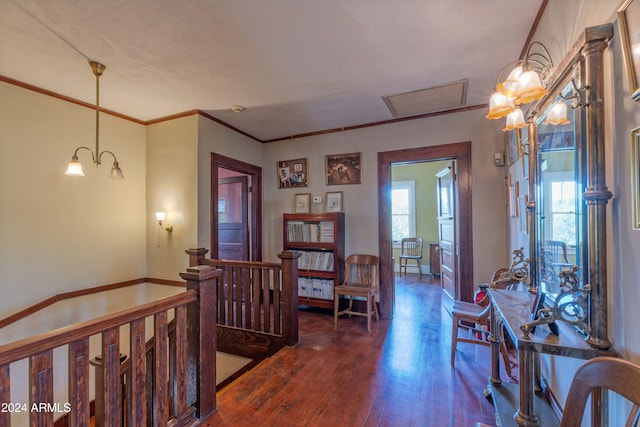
(196,255)
(290,296)
(201,337)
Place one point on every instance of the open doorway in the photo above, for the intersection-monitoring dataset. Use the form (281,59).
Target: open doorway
(461,154)
(236,209)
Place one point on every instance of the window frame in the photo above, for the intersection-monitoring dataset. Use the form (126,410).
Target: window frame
(409,185)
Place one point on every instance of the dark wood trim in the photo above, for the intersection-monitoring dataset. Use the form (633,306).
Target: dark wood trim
(461,152)
(218,160)
(82,292)
(68,99)
(383,122)
(227,125)
(534,28)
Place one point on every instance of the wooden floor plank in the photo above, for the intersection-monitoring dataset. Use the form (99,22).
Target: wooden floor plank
(397,375)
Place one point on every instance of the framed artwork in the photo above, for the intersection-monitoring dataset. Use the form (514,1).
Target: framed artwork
(635,177)
(302,203)
(507,189)
(629,24)
(525,167)
(513,200)
(292,173)
(343,168)
(333,202)
(511,141)
(522,203)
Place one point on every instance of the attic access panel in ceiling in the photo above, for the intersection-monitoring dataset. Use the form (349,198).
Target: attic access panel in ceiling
(429,100)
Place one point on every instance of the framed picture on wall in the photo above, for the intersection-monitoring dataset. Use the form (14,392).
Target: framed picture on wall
(511,141)
(343,168)
(522,203)
(635,177)
(333,201)
(302,203)
(629,24)
(292,173)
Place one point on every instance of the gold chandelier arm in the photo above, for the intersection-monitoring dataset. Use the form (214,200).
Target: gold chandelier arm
(106,151)
(93,157)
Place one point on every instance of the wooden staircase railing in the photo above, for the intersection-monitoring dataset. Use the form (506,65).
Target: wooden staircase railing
(257,305)
(188,368)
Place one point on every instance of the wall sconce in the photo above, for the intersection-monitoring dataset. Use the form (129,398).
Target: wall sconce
(525,83)
(75,167)
(160,216)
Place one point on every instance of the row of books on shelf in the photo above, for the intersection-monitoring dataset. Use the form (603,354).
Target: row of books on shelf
(315,260)
(299,231)
(315,288)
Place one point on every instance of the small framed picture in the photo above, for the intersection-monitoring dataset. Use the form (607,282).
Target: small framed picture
(302,203)
(629,24)
(343,168)
(333,202)
(524,224)
(292,173)
(635,177)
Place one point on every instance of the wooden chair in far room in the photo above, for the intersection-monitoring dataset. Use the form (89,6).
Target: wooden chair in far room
(411,248)
(474,318)
(602,373)
(557,250)
(361,279)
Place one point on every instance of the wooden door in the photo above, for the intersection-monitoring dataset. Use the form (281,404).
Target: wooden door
(447,233)
(233,224)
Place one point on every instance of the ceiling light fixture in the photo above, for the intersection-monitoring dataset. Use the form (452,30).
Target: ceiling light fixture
(75,167)
(526,82)
(237,108)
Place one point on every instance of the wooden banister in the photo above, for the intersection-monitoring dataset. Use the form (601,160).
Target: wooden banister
(177,398)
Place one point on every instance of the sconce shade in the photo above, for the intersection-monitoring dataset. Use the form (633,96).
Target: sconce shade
(160,216)
(499,106)
(515,120)
(529,88)
(510,85)
(74,168)
(557,115)
(116,172)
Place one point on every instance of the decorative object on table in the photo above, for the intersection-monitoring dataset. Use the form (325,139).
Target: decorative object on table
(302,203)
(343,168)
(635,177)
(333,201)
(292,173)
(629,24)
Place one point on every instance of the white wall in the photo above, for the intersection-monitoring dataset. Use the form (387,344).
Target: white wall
(361,200)
(60,233)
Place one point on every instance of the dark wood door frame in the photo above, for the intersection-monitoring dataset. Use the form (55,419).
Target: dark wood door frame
(461,152)
(220,161)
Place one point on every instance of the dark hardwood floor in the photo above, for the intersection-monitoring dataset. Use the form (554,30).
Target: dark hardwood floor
(397,375)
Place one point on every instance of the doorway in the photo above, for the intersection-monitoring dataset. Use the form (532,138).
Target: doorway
(461,154)
(242,182)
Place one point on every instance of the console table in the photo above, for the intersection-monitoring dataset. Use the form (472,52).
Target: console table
(523,404)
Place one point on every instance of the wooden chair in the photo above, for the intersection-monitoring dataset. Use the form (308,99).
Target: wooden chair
(411,248)
(361,280)
(558,251)
(474,318)
(618,375)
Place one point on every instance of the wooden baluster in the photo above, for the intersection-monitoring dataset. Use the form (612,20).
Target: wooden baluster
(237,286)
(112,391)
(266,308)
(161,370)
(277,310)
(256,285)
(137,390)
(180,376)
(79,383)
(246,296)
(41,382)
(5,394)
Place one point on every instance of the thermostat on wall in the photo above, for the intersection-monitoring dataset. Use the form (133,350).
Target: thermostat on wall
(317,199)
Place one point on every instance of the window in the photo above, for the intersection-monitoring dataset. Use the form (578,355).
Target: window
(563,211)
(403,211)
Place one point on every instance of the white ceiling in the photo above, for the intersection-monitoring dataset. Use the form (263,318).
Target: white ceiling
(297,66)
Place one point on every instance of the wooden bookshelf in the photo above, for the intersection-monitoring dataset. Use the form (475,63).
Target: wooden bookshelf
(320,240)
